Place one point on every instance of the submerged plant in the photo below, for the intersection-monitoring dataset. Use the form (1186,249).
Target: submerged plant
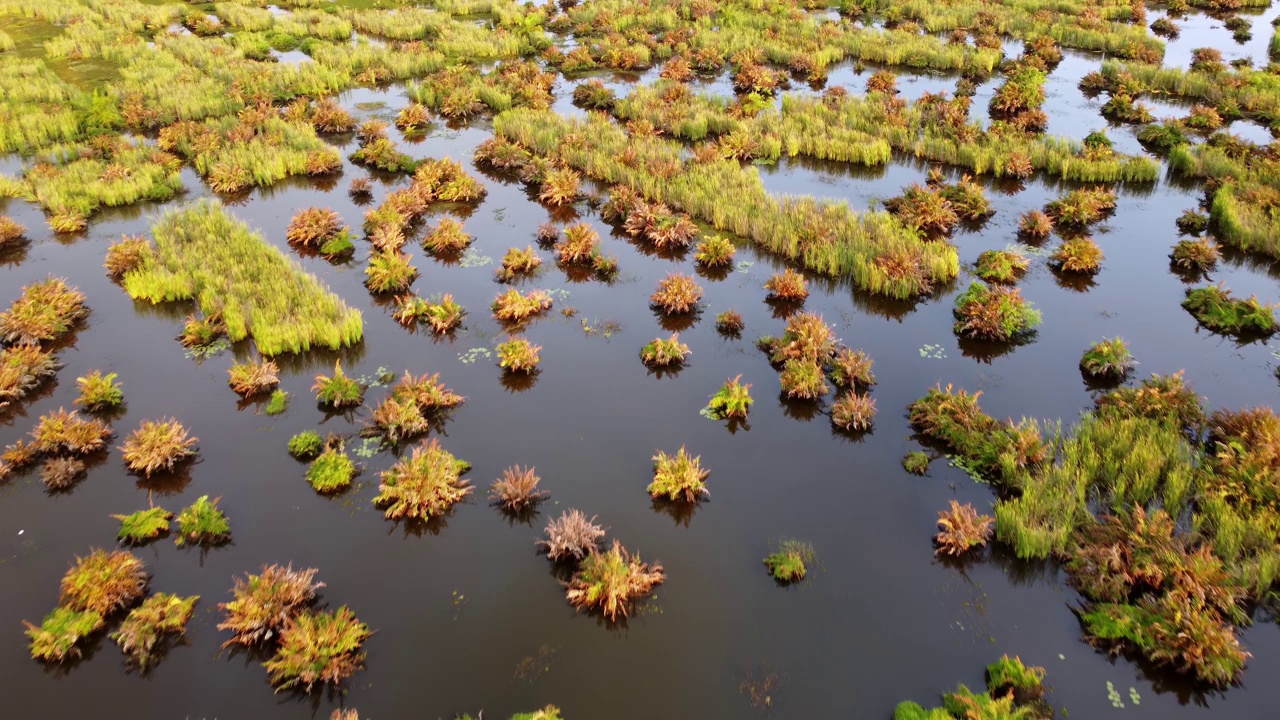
(99,392)
(144,630)
(103,582)
(331,471)
(1108,360)
(572,535)
(679,477)
(517,490)
(962,528)
(58,635)
(202,523)
(262,603)
(610,581)
(338,390)
(318,647)
(731,401)
(157,445)
(1215,308)
(253,378)
(145,525)
(424,485)
(664,353)
(789,561)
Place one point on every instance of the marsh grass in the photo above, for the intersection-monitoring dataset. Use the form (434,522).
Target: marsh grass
(160,618)
(729,322)
(157,446)
(664,353)
(446,237)
(1195,255)
(443,314)
(517,263)
(1077,255)
(513,307)
(143,526)
(204,254)
(571,537)
(425,485)
(732,401)
(1108,360)
(679,477)
(278,402)
(128,254)
(852,412)
(253,377)
(389,272)
(317,648)
(103,582)
(11,233)
(338,390)
(45,311)
(790,560)
(306,445)
(262,603)
(23,369)
(611,581)
(63,431)
(99,392)
(916,462)
(676,294)
(60,473)
(961,529)
(202,523)
(994,312)
(255,149)
(851,369)
(518,355)
(715,251)
(1215,308)
(1001,266)
(787,286)
(202,332)
(56,639)
(517,490)
(331,471)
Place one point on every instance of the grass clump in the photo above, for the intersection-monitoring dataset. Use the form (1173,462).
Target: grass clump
(730,322)
(715,251)
(59,473)
(960,529)
(157,446)
(331,471)
(103,582)
(1215,308)
(571,537)
(204,254)
(253,378)
(306,445)
(610,581)
(517,490)
(319,647)
(316,229)
(1001,266)
(443,314)
(338,390)
(923,209)
(676,294)
(1009,675)
(998,313)
(1196,255)
(678,477)
(423,486)
(851,369)
(278,403)
(853,412)
(731,402)
(446,237)
(1108,360)
(202,523)
(61,431)
(916,462)
(129,254)
(99,392)
(514,307)
(261,603)
(664,353)
(142,634)
(23,368)
(57,636)
(789,561)
(787,286)
(10,232)
(1077,255)
(518,263)
(45,311)
(518,355)
(389,272)
(1082,207)
(143,526)
(202,332)
(1035,225)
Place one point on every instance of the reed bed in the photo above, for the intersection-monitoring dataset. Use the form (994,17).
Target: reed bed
(82,179)
(255,149)
(879,253)
(1241,92)
(203,253)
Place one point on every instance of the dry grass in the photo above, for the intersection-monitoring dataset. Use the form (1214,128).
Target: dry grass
(571,536)
(961,529)
(157,446)
(610,581)
(517,490)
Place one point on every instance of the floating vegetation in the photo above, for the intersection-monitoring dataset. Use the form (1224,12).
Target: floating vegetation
(679,477)
(202,253)
(23,368)
(262,603)
(610,581)
(851,411)
(1108,360)
(1215,308)
(517,490)
(961,529)
(424,485)
(851,369)
(46,311)
(99,392)
(103,582)
(306,445)
(331,471)
(339,390)
(446,237)
(664,353)
(514,307)
(253,378)
(320,230)
(278,403)
(1198,254)
(1001,266)
(57,638)
(994,312)
(715,251)
(787,286)
(202,523)
(59,473)
(916,462)
(730,322)
(147,627)
(571,536)
(731,402)
(518,355)
(143,526)
(517,263)
(1077,255)
(1014,692)
(789,561)
(676,294)
(157,445)
(316,648)
(62,431)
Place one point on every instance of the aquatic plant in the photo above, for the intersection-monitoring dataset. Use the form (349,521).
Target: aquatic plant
(571,535)
(65,431)
(23,368)
(1215,308)
(446,237)
(851,369)
(202,523)
(610,581)
(127,255)
(1035,224)
(715,251)
(58,473)
(1010,675)
(731,401)
(262,603)
(559,187)
(518,263)
(398,418)
(413,118)
(389,272)
(730,322)
(306,445)
(916,462)
(331,471)
(1108,360)
(202,332)
(676,294)
(277,403)
(424,485)
(10,231)
(789,561)
(968,199)
(254,377)
(1195,254)
(103,582)
(517,490)
(313,228)
(518,355)
(579,245)
(45,311)
(148,626)
(204,254)
(994,312)
(318,647)
(338,390)
(443,315)
(992,449)
(1157,397)
(157,445)
(853,412)
(961,529)
(664,353)
(145,525)
(58,635)
(1192,222)
(99,392)
(787,286)
(678,477)
(514,307)
(1082,207)
(1077,255)
(383,154)
(1001,266)
(923,209)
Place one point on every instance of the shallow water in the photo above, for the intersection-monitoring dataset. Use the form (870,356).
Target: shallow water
(469,617)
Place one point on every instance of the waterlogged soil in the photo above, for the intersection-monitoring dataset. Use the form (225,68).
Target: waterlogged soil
(468,616)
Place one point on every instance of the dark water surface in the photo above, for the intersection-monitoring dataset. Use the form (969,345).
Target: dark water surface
(469,616)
